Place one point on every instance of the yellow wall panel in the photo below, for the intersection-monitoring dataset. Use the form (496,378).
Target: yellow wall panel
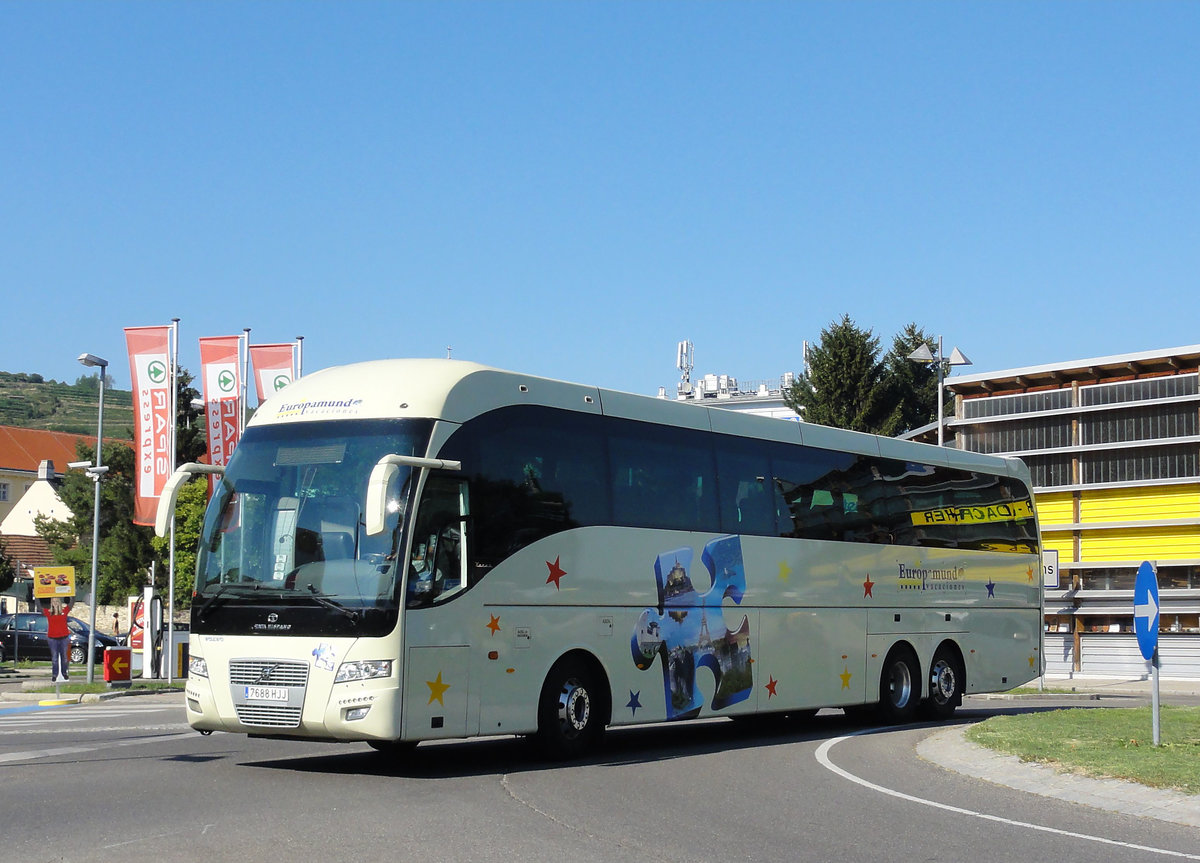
(1140,504)
(1063,544)
(1143,543)
(1055,508)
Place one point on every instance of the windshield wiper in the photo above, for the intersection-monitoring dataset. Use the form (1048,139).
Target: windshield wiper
(212,600)
(324,599)
(220,594)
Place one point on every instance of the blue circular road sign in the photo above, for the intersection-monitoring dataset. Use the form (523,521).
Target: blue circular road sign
(1145,609)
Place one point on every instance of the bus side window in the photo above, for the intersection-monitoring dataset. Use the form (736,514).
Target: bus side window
(663,477)
(534,472)
(747,494)
(804,477)
(436,564)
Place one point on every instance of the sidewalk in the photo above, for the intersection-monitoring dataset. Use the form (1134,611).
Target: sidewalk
(1134,688)
(17,685)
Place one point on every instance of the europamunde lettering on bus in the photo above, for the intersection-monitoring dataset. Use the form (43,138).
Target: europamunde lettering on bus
(324,406)
(920,578)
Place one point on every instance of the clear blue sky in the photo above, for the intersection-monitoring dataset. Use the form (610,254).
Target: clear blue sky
(569,189)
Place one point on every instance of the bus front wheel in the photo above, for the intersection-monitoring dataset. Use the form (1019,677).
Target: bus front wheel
(570,711)
(899,686)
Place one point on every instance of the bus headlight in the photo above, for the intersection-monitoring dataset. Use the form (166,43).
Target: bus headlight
(365,669)
(197,667)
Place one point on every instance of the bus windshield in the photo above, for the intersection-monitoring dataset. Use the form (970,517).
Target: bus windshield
(285,525)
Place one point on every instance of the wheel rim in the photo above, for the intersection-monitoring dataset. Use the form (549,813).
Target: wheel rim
(574,709)
(943,682)
(76,655)
(900,684)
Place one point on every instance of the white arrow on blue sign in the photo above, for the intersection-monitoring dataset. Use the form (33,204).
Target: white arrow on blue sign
(1145,609)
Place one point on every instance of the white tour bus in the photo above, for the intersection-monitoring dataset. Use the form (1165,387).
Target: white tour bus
(406,550)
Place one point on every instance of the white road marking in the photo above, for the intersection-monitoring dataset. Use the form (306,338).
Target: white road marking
(822,756)
(30,755)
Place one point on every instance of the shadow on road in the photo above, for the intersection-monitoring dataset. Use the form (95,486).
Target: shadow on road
(622,746)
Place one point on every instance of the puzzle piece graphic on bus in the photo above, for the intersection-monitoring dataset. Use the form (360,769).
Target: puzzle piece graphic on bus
(688,629)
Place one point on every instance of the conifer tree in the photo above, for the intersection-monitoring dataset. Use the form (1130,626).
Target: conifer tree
(843,385)
(911,388)
(848,385)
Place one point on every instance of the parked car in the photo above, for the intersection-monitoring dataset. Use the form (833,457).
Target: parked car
(30,629)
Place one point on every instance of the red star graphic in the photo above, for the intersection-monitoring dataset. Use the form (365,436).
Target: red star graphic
(770,687)
(556,572)
(867,585)
(494,624)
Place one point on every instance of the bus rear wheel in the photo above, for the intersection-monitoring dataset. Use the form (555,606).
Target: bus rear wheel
(899,687)
(946,683)
(570,711)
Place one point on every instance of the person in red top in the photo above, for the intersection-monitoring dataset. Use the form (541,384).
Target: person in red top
(58,635)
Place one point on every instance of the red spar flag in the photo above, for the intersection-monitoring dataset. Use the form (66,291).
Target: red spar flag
(273,368)
(150,370)
(219,369)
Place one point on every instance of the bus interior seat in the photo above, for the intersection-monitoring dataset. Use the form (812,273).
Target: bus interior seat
(337,545)
(339,526)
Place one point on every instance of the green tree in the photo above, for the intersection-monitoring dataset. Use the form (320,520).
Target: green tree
(189,519)
(849,385)
(911,387)
(844,383)
(126,550)
(190,440)
(8,572)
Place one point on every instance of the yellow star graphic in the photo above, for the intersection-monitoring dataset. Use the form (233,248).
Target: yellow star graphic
(785,571)
(437,689)
(494,624)
(846,675)
(1029,573)
(1032,661)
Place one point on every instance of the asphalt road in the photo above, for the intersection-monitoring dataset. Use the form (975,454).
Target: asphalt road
(126,779)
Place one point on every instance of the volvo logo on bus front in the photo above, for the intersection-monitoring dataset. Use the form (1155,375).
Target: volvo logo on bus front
(265,674)
(272,624)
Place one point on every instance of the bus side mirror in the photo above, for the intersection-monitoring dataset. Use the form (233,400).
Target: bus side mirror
(375,511)
(170,493)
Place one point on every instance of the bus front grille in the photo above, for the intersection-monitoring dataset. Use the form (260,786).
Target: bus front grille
(268,693)
(256,672)
(266,716)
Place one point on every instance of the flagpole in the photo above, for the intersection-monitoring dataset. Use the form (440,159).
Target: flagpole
(243,374)
(169,651)
(299,364)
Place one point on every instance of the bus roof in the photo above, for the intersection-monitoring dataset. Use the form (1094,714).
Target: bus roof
(457,390)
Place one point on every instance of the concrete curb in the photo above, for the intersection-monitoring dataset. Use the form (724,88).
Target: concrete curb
(950,749)
(87,697)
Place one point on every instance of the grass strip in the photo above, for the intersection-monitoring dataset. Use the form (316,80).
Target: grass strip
(99,686)
(1104,742)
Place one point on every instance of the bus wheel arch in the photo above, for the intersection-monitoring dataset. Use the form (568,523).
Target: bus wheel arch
(900,684)
(574,707)
(947,679)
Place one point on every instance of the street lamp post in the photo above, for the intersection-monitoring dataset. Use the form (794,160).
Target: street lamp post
(95,472)
(923,354)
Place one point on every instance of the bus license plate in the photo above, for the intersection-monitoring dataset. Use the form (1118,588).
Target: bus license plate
(266,693)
